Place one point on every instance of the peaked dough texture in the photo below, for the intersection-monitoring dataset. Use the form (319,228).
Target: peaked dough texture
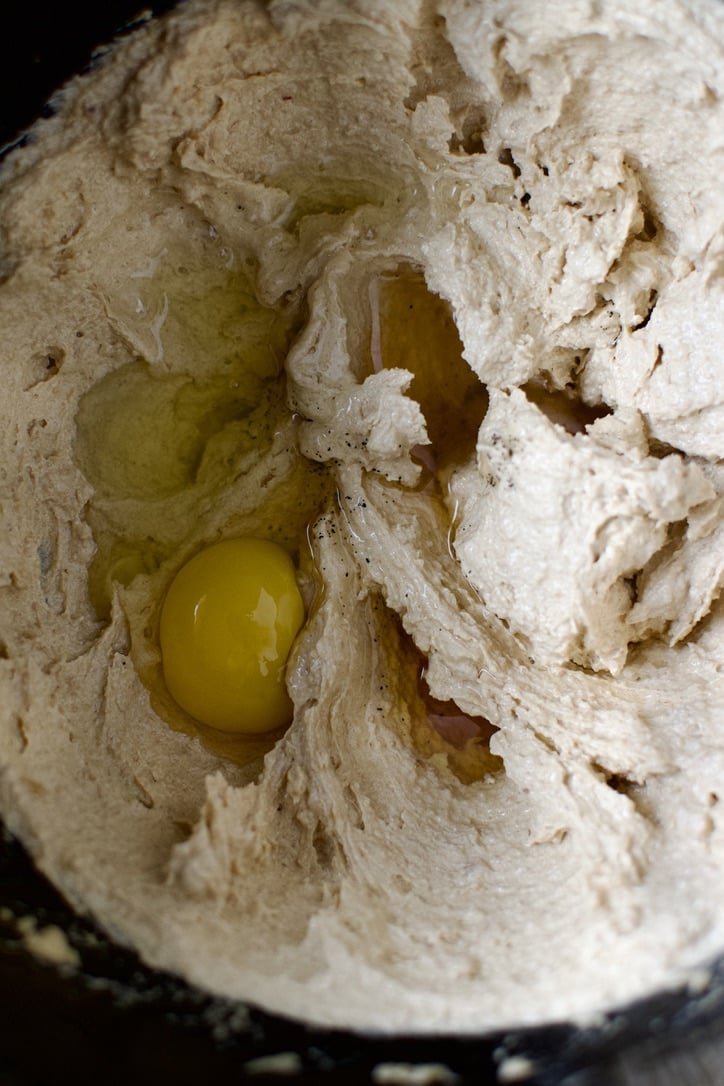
(554,172)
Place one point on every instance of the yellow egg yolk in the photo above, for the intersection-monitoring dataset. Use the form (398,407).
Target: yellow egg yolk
(228,622)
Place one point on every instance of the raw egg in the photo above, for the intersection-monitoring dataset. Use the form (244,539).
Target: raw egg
(228,623)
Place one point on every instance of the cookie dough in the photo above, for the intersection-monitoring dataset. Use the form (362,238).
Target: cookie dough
(431,295)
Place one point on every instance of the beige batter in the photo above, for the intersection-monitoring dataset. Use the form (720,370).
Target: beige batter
(221,264)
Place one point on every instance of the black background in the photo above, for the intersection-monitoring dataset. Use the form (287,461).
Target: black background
(43,44)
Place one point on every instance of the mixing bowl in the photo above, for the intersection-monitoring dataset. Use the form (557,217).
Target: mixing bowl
(110,1019)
